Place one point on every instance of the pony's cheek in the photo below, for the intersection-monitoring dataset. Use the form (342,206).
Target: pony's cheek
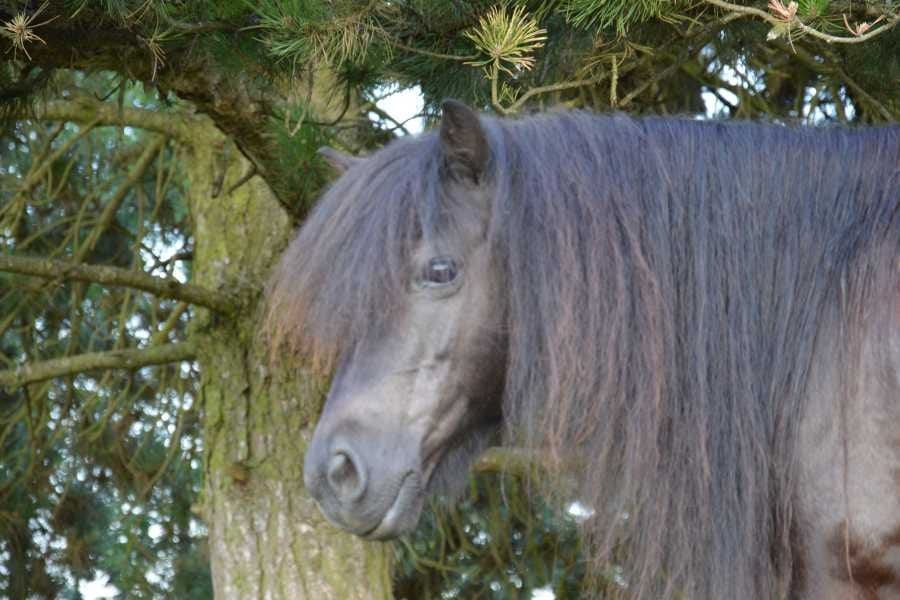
(441,427)
(448,479)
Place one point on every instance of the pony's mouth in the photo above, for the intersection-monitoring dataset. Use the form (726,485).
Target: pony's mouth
(403,514)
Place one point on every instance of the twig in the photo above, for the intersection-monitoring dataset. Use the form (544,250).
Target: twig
(251,171)
(159,337)
(556,87)
(112,206)
(613,83)
(431,54)
(495,96)
(387,117)
(847,81)
(658,76)
(878,106)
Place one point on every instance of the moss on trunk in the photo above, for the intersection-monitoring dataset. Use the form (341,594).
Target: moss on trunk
(267,538)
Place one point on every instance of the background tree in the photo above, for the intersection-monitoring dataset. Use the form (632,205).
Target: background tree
(156,156)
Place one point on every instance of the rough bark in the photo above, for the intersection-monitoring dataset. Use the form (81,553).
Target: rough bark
(267,538)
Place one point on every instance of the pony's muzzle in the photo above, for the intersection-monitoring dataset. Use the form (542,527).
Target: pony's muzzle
(361,482)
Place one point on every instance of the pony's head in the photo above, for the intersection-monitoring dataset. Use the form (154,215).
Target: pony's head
(392,282)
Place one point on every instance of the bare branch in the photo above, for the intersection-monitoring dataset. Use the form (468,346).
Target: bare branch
(556,87)
(177,125)
(163,287)
(112,206)
(116,359)
(429,53)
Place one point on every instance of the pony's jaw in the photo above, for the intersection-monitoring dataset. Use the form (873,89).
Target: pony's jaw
(370,467)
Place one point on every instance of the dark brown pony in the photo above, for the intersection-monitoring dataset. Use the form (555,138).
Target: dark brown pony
(703,317)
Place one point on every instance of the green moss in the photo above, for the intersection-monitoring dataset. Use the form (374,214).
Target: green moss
(260,418)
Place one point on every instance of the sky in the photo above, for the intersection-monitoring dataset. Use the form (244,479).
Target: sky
(403,105)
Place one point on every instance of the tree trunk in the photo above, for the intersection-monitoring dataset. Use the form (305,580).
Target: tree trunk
(267,538)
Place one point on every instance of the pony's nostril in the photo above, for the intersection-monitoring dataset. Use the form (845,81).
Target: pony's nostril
(344,475)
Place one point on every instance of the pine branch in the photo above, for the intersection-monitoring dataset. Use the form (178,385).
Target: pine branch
(116,359)
(239,102)
(696,37)
(795,22)
(108,275)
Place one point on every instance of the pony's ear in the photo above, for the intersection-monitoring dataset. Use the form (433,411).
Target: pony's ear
(338,160)
(463,141)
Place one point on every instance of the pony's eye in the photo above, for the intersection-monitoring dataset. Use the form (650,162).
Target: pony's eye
(439,271)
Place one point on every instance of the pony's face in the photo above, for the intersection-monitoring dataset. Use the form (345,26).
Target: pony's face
(412,404)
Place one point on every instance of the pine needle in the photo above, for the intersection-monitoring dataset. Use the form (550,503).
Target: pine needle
(21,28)
(509,40)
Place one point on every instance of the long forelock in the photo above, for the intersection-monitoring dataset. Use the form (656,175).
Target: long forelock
(346,273)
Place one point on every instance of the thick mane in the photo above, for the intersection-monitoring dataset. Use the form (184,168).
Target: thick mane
(670,282)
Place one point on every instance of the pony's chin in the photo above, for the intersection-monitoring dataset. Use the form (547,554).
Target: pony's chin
(403,514)
(446,481)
